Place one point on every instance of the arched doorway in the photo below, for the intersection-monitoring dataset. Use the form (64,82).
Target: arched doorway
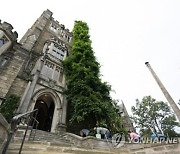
(45,106)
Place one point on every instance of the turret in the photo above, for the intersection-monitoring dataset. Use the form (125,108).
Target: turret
(7,36)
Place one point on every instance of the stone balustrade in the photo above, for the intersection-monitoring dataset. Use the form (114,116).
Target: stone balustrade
(3,129)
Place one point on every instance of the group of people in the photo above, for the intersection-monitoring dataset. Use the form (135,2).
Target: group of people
(101,132)
(104,133)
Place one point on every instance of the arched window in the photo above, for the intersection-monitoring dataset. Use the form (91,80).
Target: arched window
(1,42)
(52,71)
(55,49)
(3,61)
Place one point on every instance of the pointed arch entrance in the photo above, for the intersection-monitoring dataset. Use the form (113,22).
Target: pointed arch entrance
(45,106)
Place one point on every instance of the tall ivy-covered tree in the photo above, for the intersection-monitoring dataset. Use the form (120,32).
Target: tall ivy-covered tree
(89,100)
(153,116)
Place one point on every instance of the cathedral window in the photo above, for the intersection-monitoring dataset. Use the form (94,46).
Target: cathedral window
(52,71)
(47,69)
(68,38)
(3,40)
(56,73)
(61,75)
(58,52)
(3,61)
(55,49)
(53,28)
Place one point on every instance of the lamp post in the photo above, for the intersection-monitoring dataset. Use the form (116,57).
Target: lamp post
(165,92)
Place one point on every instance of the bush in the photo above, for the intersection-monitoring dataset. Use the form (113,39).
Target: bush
(9,107)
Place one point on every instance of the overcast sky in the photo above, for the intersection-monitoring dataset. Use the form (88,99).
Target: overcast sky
(124,33)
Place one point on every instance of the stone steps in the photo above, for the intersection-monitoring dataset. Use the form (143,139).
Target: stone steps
(44,137)
(49,143)
(65,143)
(48,148)
(68,143)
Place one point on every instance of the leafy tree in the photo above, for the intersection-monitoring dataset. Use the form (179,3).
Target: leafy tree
(9,107)
(89,101)
(153,116)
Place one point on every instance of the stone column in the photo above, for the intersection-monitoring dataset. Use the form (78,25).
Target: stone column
(23,97)
(62,125)
(28,95)
(165,92)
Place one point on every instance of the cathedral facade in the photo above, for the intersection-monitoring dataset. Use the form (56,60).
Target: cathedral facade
(32,69)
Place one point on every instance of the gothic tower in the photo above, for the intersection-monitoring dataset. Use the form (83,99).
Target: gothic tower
(37,70)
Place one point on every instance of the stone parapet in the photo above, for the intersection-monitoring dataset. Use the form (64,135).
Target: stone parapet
(3,129)
(7,28)
(157,148)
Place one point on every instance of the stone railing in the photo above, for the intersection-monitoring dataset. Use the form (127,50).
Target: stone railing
(154,148)
(91,142)
(3,129)
(88,142)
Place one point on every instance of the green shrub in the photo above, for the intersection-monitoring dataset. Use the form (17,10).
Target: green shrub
(9,107)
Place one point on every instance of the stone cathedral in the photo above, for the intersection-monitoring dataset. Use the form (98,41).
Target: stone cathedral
(32,69)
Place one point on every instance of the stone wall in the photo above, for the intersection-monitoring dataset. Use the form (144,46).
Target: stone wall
(10,72)
(154,148)
(87,142)
(18,87)
(3,129)
(91,142)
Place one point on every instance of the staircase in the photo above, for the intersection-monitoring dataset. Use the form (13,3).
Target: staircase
(67,143)
(43,136)
(49,143)
(49,148)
